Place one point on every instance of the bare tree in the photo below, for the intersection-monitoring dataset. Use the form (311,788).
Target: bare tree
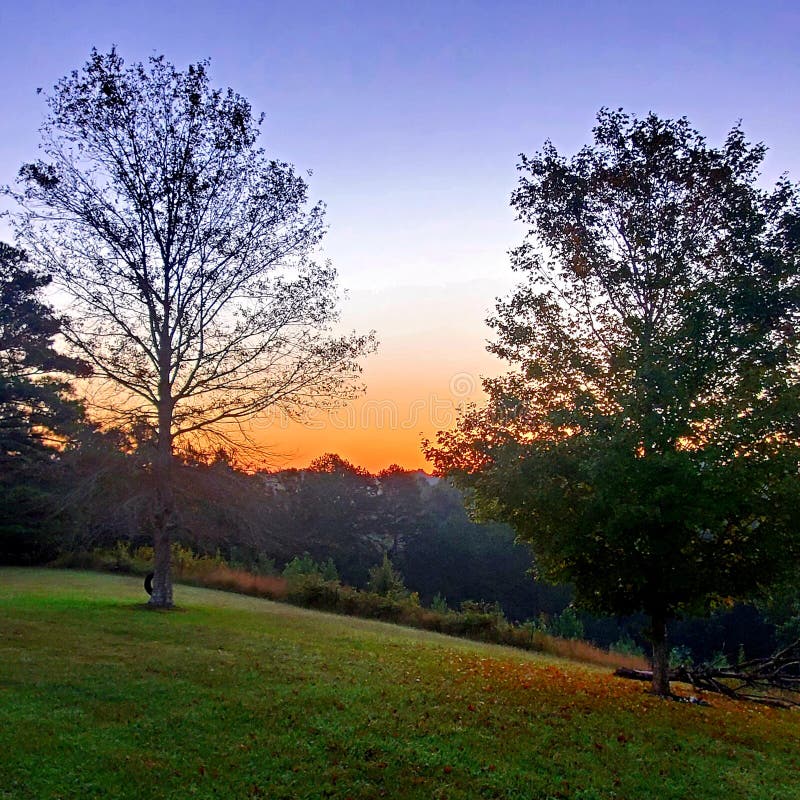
(190,257)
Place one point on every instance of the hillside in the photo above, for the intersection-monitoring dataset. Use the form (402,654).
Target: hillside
(233,697)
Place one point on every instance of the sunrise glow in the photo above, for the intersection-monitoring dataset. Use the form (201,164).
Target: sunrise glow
(412,121)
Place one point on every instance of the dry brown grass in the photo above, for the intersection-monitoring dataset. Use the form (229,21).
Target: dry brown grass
(578,650)
(271,587)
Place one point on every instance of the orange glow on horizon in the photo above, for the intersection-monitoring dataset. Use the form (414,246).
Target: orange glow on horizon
(386,426)
(430,360)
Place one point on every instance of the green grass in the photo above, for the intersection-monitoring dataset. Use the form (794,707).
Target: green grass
(234,697)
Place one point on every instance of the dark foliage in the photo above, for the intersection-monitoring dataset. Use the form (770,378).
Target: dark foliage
(37,412)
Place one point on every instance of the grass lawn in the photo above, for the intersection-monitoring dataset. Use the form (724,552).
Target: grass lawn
(235,697)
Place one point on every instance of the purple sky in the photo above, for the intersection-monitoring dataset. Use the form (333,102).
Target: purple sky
(412,114)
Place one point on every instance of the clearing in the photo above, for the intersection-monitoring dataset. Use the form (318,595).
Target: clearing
(236,697)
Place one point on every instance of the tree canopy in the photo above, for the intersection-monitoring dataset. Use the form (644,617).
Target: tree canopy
(645,441)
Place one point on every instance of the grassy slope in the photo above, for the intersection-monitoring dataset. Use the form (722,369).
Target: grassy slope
(233,697)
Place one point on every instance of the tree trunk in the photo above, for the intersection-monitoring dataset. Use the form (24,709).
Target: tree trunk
(162,553)
(658,637)
(164,522)
(164,517)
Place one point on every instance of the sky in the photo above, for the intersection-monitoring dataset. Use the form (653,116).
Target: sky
(412,116)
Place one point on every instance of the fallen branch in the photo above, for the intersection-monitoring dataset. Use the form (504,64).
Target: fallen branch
(773,681)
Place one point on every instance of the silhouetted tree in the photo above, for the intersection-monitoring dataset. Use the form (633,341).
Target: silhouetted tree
(647,442)
(403,507)
(189,256)
(37,410)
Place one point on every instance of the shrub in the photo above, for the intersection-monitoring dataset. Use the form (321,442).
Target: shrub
(483,608)
(146,554)
(476,620)
(680,656)
(789,630)
(118,558)
(567,624)
(186,564)
(328,571)
(311,590)
(301,565)
(626,646)
(578,650)
(718,661)
(386,581)
(271,587)
(439,604)
(259,563)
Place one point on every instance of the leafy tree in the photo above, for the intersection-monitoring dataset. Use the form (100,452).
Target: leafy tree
(334,464)
(37,412)
(566,625)
(189,254)
(107,491)
(645,442)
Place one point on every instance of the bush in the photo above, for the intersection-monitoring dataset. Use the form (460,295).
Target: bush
(271,587)
(789,631)
(118,558)
(386,581)
(483,608)
(258,564)
(627,647)
(328,571)
(311,590)
(439,604)
(301,565)
(718,661)
(186,564)
(305,565)
(680,656)
(566,625)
